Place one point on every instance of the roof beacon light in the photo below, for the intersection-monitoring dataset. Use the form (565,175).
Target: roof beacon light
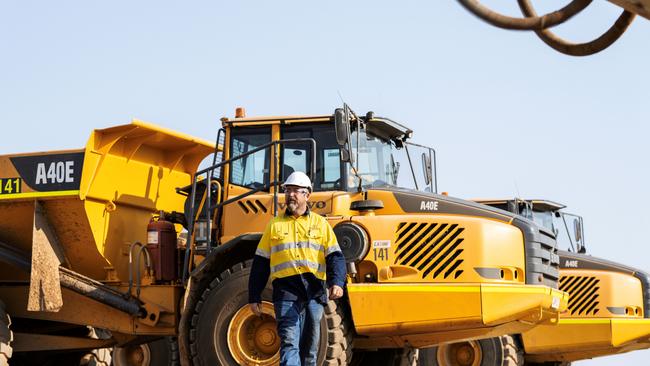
(240,112)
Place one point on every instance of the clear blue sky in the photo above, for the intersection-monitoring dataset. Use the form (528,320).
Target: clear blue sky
(507,115)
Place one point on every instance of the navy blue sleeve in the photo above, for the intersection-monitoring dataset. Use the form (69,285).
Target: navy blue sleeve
(260,272)
(336,271)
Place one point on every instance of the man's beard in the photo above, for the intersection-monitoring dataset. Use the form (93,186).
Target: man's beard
(292,206)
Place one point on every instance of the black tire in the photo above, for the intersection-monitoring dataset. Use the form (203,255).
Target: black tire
(6,336)
(339,334)
(499,351)
(161,352)
(228,292)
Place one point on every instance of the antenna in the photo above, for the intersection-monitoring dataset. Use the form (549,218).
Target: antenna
(516,187)
(340,96)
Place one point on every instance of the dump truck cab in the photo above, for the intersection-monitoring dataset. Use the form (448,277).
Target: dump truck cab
(423,268)
(609,303)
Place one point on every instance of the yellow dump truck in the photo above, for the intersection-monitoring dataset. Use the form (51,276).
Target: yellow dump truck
(93,239)
(609,303)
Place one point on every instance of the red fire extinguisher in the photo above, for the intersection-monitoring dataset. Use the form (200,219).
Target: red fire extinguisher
(161,243)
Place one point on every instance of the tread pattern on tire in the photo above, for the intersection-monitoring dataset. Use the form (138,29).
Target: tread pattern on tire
(223,276)
(339,334)
(6,336)
(173,348)
(513,354)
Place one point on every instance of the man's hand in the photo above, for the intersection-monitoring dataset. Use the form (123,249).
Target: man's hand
(335,292)
(256,308)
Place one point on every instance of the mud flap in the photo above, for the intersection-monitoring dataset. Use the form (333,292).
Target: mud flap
(47,256)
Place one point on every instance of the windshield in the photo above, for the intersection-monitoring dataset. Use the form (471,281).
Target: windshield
(567,227)
(571,231)
(381,163)
(544,219)
(375,163)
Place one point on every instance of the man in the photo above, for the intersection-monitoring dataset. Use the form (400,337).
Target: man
(299,251)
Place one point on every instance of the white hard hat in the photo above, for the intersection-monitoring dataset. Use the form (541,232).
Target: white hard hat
(298,179)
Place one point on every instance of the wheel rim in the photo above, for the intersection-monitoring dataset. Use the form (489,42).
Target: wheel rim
(139,355)
(460,354)
(254,340)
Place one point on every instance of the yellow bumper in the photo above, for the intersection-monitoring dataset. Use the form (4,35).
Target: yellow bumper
(428,314)
(577,339)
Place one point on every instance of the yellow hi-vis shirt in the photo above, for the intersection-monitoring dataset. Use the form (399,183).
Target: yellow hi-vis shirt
(297,245)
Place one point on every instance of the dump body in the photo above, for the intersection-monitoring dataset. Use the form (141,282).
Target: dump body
(83,210)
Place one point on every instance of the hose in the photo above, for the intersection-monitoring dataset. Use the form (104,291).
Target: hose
(580,49)
(529,23)
(147,263)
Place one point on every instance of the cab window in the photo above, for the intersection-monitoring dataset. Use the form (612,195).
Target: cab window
(297,156)
(253,170)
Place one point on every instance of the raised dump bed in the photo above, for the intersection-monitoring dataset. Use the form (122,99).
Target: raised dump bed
(83,209)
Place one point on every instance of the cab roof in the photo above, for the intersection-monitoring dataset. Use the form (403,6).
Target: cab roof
(543,205)
(285,119)
(380,126)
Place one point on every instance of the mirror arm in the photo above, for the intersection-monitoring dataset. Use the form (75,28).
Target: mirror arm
(408,155)
(568,233)
(432,157)
(354,160)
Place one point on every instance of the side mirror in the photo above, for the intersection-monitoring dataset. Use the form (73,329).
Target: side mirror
(341,126)
(577,228)
(345,155)
(426,168)
(396,173)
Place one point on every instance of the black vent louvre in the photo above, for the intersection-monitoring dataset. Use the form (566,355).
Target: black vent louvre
(432,248)
(252,206)
(583,294)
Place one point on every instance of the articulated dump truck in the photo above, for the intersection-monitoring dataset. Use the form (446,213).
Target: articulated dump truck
(608,311)
(126,244)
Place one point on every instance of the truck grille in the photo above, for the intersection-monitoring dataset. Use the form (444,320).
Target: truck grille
(645,282)
(542,259)
(583,294)
(434,249)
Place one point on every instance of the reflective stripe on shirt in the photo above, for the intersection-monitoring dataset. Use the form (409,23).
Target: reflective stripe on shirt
(298,245)
(296,264)
(332,249)
(301,244)
(262,253)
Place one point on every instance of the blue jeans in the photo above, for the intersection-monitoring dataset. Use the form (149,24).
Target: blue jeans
(299,330)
